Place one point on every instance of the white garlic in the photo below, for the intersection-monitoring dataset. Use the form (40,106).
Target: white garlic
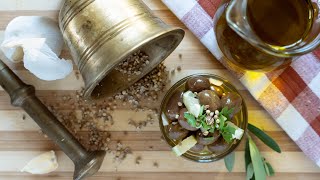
(38,42)
(42,164)
(215,82)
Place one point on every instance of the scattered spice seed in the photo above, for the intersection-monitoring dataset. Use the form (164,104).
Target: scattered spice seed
(138,160)
(155,164)
(23,117)
(179,68)
(91,119)
(180,56)
(77,74)
(134,64)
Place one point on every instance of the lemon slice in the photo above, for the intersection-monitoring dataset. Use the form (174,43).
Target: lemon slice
(184,146)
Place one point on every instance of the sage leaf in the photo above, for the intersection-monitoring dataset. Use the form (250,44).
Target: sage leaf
(247,158)
(258,166)
(266,139)
(229,161)
(269,169)
(266,169)
(249,172)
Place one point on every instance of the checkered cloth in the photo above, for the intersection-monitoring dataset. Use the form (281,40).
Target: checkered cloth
(291,96)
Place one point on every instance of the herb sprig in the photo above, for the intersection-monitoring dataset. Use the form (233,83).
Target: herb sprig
(256,166)
(222,123)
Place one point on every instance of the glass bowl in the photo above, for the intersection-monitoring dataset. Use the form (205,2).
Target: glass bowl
(241,120)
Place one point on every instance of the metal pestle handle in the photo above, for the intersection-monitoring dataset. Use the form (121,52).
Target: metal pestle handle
(23,95)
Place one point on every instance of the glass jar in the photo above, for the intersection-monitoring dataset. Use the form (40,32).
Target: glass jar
(240,119)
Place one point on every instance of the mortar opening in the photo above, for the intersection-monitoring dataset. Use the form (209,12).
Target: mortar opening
(116,81)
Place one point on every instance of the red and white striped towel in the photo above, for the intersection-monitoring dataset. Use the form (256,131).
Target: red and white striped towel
(291,96)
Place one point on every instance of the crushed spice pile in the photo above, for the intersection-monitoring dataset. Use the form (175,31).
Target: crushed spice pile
(88,121)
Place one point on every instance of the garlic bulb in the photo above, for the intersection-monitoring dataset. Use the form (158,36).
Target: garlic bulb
(42,164)
(38,42)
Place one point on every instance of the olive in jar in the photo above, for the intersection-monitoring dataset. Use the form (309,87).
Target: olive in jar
(172,108)
(209,139)
(232,100)
(176,132)
(219,146)
(197,84)
(183,121)
(208,97)
(197,148)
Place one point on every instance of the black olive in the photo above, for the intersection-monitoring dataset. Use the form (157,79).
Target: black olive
(208,97)
(197,148)
(173,109)
(197,84)
(232,100)
(176,132)
(219,146)
(183,121)
(209,139)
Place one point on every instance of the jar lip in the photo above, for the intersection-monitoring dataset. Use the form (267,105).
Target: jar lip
(196,156)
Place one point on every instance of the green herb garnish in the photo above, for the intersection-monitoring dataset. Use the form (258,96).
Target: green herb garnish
(190,119)
(226,112)
(227,133)
(256,166)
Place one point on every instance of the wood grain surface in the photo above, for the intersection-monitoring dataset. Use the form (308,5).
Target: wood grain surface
(20,140)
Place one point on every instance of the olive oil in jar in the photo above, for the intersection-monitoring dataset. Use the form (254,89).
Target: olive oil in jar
(280,22)
(277,23)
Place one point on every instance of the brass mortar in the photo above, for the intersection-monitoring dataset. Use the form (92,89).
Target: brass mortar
(102,33)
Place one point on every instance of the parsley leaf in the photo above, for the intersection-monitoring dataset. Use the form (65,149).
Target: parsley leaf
(205,126)
(190,119)
(212,129)
(229,129)
(225,129)
(201,110)
(227,137)
(223,120)
(226,112)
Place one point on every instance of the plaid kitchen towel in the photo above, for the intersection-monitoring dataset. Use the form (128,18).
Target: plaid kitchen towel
(291,96)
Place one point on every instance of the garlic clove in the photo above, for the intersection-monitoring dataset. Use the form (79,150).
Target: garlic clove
(42,164)
(38,42)
(215,82)
(192,103)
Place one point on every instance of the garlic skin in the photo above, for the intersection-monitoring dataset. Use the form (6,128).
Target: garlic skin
(38,42)
(42,164)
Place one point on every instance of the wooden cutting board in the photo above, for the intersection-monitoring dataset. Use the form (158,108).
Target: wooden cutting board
(20,139)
